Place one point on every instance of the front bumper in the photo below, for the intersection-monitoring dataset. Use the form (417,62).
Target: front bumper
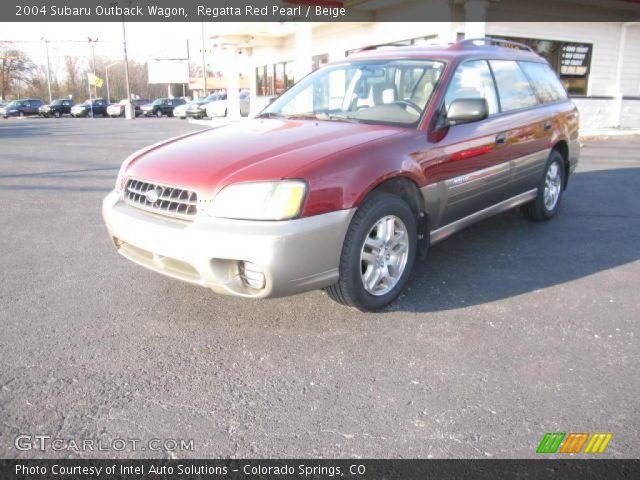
(294,256)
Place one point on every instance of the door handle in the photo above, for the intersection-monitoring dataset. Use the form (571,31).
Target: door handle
(547,125)
(501,139)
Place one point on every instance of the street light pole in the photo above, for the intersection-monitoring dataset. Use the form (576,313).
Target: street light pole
(106,74)
(204,64)
(46,46)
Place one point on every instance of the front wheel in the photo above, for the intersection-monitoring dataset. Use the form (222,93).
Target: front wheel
(159,113)
(56,113)
(378,254)
(547,202)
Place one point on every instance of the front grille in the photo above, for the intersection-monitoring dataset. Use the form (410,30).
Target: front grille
(162,199)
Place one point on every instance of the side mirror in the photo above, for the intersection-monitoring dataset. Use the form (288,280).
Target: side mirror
(467,110)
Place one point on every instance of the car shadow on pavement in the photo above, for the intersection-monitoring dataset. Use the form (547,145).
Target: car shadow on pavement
(597,228)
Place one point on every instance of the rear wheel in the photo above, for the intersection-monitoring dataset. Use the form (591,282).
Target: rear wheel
(547,202)
(378,254)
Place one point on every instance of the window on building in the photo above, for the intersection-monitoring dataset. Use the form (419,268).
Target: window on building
(570,60)
(279,85)
(545,82)
(473,80)
(514,89)
(274,79)
(261,81)
(288,74)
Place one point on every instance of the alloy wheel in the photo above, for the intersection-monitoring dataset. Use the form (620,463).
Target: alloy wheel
(552,186)
(384,254)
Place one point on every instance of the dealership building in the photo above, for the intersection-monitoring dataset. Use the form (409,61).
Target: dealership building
(598,62)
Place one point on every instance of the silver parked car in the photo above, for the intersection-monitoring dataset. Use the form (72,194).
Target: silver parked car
(218,108)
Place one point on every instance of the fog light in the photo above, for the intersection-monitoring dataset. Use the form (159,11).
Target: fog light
(252,275)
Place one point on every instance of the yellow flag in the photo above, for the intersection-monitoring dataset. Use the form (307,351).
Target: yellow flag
(95,80)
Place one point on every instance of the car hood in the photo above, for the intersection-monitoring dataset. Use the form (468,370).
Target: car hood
(260,149)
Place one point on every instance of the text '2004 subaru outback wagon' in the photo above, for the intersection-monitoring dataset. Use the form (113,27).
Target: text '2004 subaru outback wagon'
(346,177)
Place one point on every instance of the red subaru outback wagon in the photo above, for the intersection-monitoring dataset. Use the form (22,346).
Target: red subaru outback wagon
(344,179)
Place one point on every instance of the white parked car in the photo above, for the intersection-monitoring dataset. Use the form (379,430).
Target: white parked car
(181,111)
(218,108)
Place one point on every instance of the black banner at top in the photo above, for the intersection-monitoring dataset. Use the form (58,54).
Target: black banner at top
(315,10)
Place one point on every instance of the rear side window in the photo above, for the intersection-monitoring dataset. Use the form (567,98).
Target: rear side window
(513,87)
(545,82)
(473,80)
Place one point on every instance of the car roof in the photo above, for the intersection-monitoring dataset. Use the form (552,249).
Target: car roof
(463,50)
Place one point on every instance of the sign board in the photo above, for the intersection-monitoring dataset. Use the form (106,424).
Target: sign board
(575,59)
(168,71)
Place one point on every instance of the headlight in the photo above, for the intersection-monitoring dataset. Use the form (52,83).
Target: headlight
(260,200)
(121,178)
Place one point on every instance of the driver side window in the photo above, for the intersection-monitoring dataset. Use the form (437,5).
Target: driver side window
(473,80)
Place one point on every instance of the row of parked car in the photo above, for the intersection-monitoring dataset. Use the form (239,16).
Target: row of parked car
(214,105)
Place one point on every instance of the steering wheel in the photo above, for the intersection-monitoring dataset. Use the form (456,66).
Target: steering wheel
(410,104)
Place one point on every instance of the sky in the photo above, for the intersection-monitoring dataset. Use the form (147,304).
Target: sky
(144,39)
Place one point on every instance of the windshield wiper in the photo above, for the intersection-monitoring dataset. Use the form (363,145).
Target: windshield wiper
(336,118)
(271,115)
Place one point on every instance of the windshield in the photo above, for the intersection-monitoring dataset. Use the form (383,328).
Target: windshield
(383,92)
(56,102)
(159,101)
(14,104)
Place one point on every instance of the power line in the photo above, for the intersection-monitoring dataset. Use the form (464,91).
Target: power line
(54,41)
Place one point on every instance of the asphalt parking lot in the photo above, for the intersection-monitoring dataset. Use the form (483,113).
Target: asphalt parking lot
(509,330)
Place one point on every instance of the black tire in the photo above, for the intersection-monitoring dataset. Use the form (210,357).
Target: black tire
(349,290)
(21,114)
(159,113)
(536,210)
(56,113)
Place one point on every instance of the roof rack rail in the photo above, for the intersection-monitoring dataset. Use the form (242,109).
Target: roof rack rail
(497,42)
(369,48)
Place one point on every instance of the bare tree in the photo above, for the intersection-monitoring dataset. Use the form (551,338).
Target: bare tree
(73,84)
(15,67)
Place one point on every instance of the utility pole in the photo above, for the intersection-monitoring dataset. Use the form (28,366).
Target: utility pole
(204,64)
(184,90)
(46,46)
(128,110)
